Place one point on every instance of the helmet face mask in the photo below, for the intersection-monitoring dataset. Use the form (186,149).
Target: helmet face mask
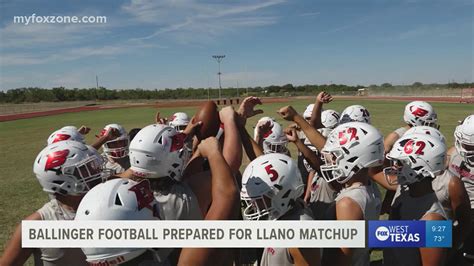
(275,147)
(464,140)
(117,148)
(258,208)
(68,168)
(179,121)
(400,173)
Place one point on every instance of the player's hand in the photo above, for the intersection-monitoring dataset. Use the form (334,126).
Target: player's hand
(160,120)
(208,146)
(111,134)
(291,135)
(288,113)
(295,126)
(192,127)
(324,97)
(227,114)
(84,130)
(246,108)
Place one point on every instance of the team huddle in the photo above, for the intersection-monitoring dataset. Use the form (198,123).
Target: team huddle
(168,171)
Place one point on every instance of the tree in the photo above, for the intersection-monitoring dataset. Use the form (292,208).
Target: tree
(417,84)
(386,85)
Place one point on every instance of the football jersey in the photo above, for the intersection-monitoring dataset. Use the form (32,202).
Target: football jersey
(441,188)
(52,211)
(369,203)
(281,256)
(322,196)
(406,207)
(462,170)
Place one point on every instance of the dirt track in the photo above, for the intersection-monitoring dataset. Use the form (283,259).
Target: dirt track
(11,117)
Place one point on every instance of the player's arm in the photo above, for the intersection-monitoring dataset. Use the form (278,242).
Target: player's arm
(389,141)
(288,113)
(112,133)
(232,148)
(346,209)
(461,209)
(322,98)
(308,154)
(305,256)
(14,254)
(432,256)
(307,195)
(224,206)
(250,146)
(376,173)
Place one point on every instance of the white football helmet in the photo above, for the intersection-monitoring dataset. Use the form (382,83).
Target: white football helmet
(330,118)
(270,185)
(179,121)
(355,113)
(116,148)
(349,148)
(260,122)
(308,112)
(117,199)
(65,133)
(419,113)
(274,140)
(159,151)
(415,157)
(464,135)
(68,168)
(426,130)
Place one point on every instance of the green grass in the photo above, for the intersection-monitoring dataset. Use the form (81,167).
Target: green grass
(21,140)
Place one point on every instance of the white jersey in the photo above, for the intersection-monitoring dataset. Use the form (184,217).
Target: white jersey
(52,211)
(441,188)
(282,256)
(462,170)
(406,207)
(369,204)
(322,196)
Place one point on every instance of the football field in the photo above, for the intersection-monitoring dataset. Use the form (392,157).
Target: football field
(21,140)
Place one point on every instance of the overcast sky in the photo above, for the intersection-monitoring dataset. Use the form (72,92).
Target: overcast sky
(168,43)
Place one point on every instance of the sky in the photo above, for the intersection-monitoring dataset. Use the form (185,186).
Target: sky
(157,44)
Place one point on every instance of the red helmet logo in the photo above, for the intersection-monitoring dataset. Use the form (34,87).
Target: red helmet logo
(418,112)
(143,193)
(172,118)
(267,134)
(103,132)
(56,159)
(61,137)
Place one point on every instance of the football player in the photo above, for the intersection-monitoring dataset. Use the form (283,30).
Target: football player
(66,170)
(271,188)
(115,149)
(416,160)
(179,121)
(461,164)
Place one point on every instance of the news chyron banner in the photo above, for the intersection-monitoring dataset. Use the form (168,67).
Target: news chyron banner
(221,234)
(382,234)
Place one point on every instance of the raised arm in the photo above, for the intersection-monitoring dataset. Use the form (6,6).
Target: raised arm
(322,98)
(308,154)
(461,209)
(288,113)
(224,206)
(232,148)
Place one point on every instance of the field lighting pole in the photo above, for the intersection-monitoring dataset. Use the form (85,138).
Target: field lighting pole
(219,59)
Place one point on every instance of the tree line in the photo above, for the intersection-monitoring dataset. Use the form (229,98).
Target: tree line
(58,94)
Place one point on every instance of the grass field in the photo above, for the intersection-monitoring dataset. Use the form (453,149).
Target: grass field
(21,140)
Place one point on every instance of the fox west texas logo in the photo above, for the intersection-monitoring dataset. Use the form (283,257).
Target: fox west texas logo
(396,234)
